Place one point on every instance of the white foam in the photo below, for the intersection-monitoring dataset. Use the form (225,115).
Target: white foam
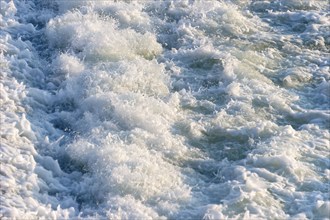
(90,39)
(165,110)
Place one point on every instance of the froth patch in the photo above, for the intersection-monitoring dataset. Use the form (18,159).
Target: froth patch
(95,38)
(128,169)
(224,19)
(68,65)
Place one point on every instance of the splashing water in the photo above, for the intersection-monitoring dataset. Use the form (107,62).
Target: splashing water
(184,109)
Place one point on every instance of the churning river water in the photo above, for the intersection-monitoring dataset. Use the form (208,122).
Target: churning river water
(187,109)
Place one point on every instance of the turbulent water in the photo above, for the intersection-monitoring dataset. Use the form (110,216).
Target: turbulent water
(188,109)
